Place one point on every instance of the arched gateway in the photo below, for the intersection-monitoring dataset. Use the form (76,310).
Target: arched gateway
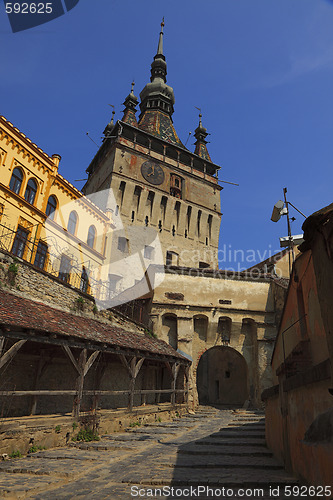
(222,377)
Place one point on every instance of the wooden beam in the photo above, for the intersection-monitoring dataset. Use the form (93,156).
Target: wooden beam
(90,361)
(138,366)
(99,373)
(125,363)
(2,343)
(37,377)
(8,356)
(134,370)
(175,371)
(69,353)
(73,342)
(187,376)
(87,393)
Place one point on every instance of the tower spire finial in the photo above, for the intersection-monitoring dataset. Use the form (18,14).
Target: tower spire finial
(160,41)
(201,143)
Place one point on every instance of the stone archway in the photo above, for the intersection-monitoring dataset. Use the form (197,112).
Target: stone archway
(222,377)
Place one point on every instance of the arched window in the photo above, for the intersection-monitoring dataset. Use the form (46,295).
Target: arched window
(91,237)
(72,223)
(200,326)
(224,329)
(16,180)
(170,329)
(51,207)
(31,190)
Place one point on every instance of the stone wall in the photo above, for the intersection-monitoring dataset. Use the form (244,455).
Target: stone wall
(197,311)
(37,285)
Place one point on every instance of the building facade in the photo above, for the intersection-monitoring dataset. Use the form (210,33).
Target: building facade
(299,411)
(156,181)
(224,322)
(44,219)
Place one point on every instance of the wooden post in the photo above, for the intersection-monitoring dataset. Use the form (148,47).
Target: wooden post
(80,382)
(97,383)
(175,370)
(144,395)
(133,369)
(187,376)
(82,367)
(40,368)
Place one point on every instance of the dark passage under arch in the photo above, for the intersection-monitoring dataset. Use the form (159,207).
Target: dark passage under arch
(222,377)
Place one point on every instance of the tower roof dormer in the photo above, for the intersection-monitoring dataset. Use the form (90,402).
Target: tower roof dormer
(130,104)
(201,143)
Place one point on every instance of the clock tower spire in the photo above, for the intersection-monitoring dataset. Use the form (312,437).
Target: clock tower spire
(157,100)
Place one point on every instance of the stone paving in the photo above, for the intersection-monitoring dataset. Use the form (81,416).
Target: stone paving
(222,451)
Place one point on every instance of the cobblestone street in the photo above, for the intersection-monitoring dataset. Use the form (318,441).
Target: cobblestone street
(211,448)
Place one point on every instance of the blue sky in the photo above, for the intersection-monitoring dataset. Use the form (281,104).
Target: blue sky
(260,70)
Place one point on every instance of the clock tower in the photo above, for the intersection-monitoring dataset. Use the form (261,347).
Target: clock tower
(156,181)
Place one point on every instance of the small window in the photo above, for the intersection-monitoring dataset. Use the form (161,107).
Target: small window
(16,180)
(31,191)
(20,242)
(203,265)
(91,237)
(72,223)
(148,252)
(123,244)
(41,255)
(172,259)
(176,186)
(51,207)
(65,268)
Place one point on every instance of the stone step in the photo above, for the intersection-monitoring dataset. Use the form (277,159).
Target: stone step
(172,425)
(237,451)
(253,435)
(214,462)
(153,432)
(239,478)
(227,442)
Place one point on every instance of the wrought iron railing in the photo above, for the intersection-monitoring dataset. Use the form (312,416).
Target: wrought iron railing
(50,259)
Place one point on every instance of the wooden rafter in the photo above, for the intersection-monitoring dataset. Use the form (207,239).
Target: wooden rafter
(8,356)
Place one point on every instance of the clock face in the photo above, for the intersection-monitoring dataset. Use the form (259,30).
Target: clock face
(152,172)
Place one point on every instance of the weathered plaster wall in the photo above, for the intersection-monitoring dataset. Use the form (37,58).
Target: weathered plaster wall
(246,307)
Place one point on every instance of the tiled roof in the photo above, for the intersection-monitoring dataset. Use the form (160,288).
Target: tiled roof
(24,313)
(157,123)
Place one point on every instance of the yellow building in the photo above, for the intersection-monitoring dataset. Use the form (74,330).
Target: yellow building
(44,219)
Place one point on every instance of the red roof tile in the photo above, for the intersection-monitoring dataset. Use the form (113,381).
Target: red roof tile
(25,313)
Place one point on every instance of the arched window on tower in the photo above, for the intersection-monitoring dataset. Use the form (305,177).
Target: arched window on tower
(176,186)
(200,326)
(224,329)
(170,329)
(31,191)
(16,180)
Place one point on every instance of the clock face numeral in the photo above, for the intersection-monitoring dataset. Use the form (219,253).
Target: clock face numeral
(152,172)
